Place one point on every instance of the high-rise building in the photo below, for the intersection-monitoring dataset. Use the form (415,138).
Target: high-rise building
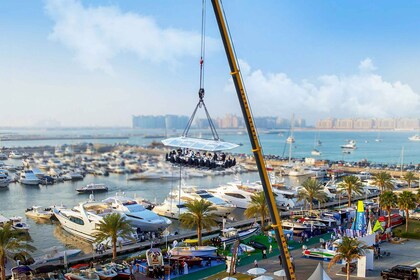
(152,122)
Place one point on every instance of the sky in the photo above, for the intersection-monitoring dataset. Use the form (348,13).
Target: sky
(98,63)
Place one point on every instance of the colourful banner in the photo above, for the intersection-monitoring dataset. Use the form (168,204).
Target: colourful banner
(360,217)
(377,226)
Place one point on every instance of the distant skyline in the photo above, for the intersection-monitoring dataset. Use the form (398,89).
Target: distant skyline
(98,63)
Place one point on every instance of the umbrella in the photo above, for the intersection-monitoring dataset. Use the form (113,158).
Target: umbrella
(280,272)
(256,271)
(228,278)
(264,277)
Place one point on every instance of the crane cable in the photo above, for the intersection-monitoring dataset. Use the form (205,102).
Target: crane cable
(201,90)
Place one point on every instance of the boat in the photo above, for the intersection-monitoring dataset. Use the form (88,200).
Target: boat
(191,261)
(190,193)
(295,226)
(194,251)
(4,180)
(38,212)
(319,253)
(230,235)
(104,272)
(414,138)
(137,214)
(83,219)
(54,254)
(315,152)
(171,208)
(15,155)
(85,274)
(396,220)
(350,145)
(27,177)
(18,224)
(92,188)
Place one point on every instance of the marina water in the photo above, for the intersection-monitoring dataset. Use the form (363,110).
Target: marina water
(16,198)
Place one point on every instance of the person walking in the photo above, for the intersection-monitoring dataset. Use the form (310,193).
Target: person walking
(255,263)
(270,249)
(264,254)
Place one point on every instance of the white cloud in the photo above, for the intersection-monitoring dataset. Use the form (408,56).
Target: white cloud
(363,94)
(366,65)
(98,34)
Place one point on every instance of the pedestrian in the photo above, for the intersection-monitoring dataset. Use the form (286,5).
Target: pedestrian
(281,263)
(293,263)
(264,254)
(270,249)
(255,263)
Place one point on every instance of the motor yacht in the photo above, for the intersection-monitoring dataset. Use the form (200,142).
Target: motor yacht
(83,219)
(15,155)
(414,138)
(27,177)
(38,212)
(171,207)
(350,145)
(140,217)
(4,180)
(18,224)
(92,188)
(190,193)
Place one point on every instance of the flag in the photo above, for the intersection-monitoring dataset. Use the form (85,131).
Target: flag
(377,226)
(369,228)
(360,217)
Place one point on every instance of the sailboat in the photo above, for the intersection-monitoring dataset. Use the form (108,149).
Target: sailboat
(291,139)
(316,152)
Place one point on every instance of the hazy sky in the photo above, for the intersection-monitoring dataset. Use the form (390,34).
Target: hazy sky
(100,62)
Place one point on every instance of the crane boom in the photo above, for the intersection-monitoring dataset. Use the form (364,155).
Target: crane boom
(253,136)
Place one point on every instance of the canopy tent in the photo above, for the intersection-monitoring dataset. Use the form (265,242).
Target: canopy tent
(199,144)
(256,271)
(264,277)
(319,274)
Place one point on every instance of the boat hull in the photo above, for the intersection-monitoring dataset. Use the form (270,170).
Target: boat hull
(198,251)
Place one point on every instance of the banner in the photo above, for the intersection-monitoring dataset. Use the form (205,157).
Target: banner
(360,217)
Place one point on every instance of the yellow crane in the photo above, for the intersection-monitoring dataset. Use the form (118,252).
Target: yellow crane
(253,136)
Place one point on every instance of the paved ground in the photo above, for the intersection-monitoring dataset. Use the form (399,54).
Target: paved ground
(407,253)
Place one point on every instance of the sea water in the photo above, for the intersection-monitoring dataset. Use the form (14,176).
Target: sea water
(16,198)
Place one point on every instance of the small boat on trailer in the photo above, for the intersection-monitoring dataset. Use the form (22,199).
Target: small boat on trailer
(229,235)
(194,251)
(319,253)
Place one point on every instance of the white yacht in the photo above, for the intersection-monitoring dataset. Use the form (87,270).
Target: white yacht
(240,194)
(27,177)
(83,219)
(171,207)
(4,180)
(15,155)
(189,193)
(414,138)
(350,145)
(139,216)
(156,174)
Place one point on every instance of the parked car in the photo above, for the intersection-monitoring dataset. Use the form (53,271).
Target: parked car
(405,272)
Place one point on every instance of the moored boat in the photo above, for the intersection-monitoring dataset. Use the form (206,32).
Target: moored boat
(91,188)
(194,251)
(38,212)
(229,235)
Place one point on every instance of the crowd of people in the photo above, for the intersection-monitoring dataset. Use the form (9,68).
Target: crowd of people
(204,159)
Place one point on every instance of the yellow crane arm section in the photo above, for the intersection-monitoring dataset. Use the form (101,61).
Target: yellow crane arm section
(253,136)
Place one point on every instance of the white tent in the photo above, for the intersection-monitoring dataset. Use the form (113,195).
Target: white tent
(229,278)
(256,271)
(264,277)
(319,274)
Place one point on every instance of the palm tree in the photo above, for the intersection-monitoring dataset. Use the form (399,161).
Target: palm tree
(199,215)
(383,181)
(348,250)
(258,206)
(311,189)
(113,226)
(418,196)
(11,243)
(388,200)
(409,177)
(351,184)
(406,201)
